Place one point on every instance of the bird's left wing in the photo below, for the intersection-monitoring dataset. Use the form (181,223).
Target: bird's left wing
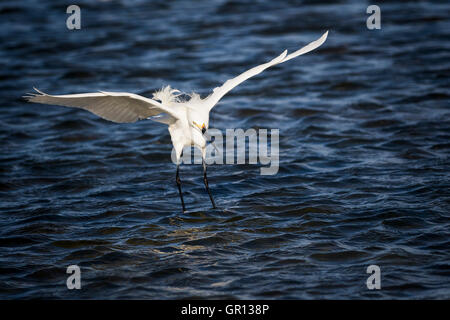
(118,107)
(219,92)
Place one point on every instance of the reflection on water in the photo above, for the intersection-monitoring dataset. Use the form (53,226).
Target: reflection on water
(364,143)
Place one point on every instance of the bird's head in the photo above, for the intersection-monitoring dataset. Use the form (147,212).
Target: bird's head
(198,119)
(201,127)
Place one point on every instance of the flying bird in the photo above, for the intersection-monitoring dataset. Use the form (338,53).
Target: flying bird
(187,120)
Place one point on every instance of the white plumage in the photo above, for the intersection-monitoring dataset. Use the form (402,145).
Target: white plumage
(187,120)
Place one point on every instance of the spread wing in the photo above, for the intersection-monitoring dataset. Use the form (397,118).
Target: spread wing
(118,107)
(219,92)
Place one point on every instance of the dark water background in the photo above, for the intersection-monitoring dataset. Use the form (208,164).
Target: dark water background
(364,142)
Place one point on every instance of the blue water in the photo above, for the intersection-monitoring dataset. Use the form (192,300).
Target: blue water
(364,172)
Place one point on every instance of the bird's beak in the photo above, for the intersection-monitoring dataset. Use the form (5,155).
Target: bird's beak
(201,128)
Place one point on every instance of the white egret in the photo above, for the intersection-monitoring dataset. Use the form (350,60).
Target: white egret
(187,120)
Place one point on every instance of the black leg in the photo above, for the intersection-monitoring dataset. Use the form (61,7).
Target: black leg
(179,187)
(205,180)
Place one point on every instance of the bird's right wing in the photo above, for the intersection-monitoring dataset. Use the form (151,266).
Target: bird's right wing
(118,107)
(219,92)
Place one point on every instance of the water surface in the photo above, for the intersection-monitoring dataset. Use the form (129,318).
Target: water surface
(364,152)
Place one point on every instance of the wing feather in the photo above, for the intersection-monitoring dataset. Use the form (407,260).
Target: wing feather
(219,92)
(121,107)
